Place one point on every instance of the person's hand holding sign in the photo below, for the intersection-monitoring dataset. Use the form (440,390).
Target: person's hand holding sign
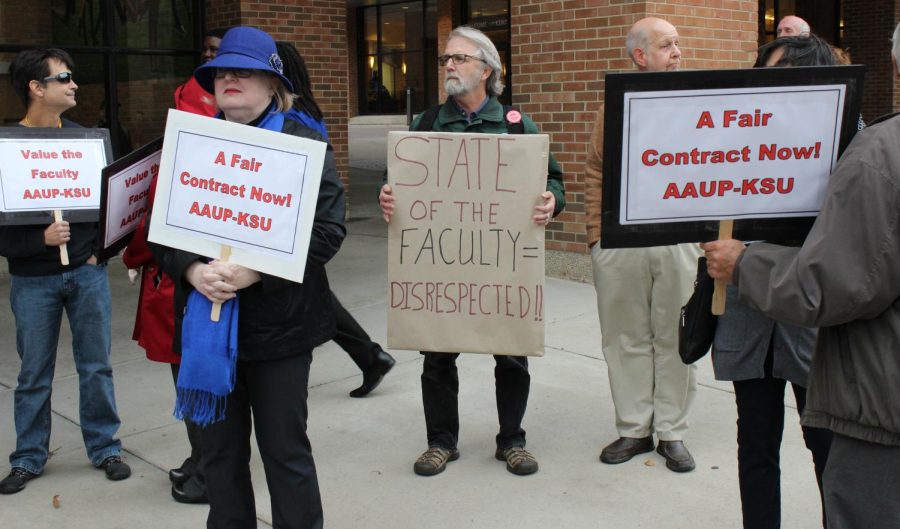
(218,281)
(57,233)
(544,212)
(721,257)
(386,201)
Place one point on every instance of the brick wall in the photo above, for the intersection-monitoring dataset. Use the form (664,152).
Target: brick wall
(571,44)
(318,28)
(868,26)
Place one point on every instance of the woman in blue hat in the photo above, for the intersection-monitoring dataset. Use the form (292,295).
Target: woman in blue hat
(279,321)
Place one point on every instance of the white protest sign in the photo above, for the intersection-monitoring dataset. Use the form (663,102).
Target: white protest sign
(128,193)
(53,173)
(465,259)
(728,153)
(226,184)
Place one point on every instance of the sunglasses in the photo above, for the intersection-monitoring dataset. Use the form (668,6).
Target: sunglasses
(64,78)
(240,73)
(457,58)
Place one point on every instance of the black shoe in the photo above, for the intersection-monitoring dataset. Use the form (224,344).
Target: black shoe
(678,459)
(382,363)
(16,480)
(192,491)
(624,448)
(183,473)
(115,468)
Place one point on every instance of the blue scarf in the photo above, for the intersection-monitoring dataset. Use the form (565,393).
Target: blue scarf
(208,360)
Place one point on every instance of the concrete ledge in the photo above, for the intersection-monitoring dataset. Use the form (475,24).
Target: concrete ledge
(569,266)
(391,120)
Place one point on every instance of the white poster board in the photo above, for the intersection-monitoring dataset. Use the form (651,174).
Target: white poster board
(226,184)
(39,174)
(128,193)
(728,153)
(465,259)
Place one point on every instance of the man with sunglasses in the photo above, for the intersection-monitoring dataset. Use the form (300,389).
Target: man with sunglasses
(472,80)
(42,287)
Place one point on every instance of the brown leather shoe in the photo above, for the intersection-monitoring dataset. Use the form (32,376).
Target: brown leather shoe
(624,448)
(678,459)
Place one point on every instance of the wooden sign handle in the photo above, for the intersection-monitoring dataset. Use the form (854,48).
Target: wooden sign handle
(718,302)
(224,256)
(63,249)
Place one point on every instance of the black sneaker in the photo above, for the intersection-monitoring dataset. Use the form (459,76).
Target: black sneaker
(16,480)
(115,468)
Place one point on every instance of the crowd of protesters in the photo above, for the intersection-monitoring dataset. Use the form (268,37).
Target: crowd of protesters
(821,314)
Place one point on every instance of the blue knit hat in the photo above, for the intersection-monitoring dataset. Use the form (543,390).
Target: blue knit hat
(243,47)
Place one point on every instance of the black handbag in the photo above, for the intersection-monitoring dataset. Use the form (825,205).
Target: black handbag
(697,326)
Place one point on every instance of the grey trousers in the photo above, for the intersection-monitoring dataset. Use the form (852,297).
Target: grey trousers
(860,484)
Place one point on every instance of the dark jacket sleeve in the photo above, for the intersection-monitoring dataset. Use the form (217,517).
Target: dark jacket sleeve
(328,230)
(849,266)
(554,174)
(17,242)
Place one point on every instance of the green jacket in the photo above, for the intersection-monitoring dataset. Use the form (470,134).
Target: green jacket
(491,121)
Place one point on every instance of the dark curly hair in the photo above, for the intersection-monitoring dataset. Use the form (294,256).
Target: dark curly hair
(32,65)
(800,50)
(296,72)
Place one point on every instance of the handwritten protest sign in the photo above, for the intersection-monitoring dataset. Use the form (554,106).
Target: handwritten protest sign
(465,260)
(728,153)
(125,195)
(685,150)
(50,169)
(225,184)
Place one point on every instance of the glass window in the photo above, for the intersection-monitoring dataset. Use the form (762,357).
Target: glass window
(154,24)
(126,84)
(397,40)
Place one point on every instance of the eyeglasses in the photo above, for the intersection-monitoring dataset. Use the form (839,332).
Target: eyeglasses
(457,58)
(64,78)
(240,73)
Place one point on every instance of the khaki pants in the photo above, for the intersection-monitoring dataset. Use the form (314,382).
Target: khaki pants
(640,292)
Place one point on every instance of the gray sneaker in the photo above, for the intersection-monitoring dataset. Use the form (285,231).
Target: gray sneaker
(434,460)
(519,461)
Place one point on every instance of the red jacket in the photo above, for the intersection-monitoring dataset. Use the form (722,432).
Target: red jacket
(154,323)
(191,97)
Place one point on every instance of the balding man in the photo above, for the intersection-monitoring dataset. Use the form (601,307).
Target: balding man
(640,292)
(792,26)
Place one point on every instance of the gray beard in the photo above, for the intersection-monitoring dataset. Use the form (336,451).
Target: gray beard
(460,87)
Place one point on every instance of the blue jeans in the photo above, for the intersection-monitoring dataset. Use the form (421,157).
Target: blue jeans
(38,303)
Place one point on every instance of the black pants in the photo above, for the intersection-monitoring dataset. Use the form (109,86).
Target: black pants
(275,391)
(351,337)
(440,391)
(193,433)
(760,424)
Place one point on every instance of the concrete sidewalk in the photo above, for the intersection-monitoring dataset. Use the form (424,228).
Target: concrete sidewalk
(365,448)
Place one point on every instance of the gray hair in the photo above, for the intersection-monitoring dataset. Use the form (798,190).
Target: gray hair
(636,38)
(896,43)
(488,52)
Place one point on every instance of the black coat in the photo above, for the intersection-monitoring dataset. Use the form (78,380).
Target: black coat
(280,318)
